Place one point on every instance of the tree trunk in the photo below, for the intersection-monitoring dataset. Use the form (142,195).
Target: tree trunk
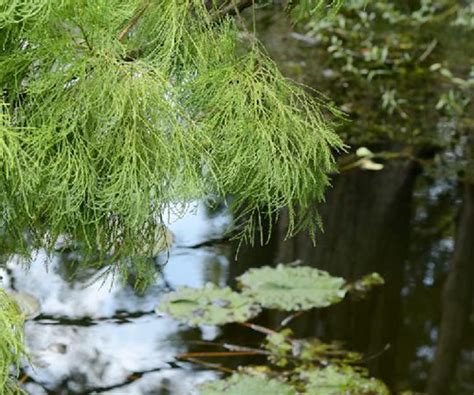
(456,300)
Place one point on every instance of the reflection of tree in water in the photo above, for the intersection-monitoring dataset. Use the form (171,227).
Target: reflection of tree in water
(367,229)
(399,225)
(457,297)
(430,249)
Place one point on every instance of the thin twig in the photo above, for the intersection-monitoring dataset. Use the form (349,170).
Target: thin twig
(233,8)
(376,355)
(259,328)
(124,33)
(241,21)
(428,51)
(290,318)
(229,346)
(445,14)
(85,36)
(220,354)
(23,379)
(211,365)
(406,154)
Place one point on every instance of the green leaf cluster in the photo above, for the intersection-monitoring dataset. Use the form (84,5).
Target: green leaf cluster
(286,351)
(316,368)
(292,288)
(11,342)
(210,306)
(324,381)
(113,111)
(239,384)
(332,380)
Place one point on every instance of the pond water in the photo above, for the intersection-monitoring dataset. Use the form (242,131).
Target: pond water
(103,337)
(98,336)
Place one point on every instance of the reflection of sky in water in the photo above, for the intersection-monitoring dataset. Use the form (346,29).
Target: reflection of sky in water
(92,337)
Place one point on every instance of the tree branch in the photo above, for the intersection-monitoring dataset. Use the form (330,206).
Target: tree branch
(234,7)
(124,33)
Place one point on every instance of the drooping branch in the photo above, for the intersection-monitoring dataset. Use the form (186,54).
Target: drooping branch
(135,135)
(235,7)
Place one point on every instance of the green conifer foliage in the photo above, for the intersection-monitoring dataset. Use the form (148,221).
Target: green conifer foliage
(11,342)
(114,110)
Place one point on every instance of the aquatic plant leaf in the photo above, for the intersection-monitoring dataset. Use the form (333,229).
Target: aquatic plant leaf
(208,306)
(239,384)
(305,352)
(335,381)
(292,288)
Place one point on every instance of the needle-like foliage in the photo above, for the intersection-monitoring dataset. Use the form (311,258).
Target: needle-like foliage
(11,342)
(114,110)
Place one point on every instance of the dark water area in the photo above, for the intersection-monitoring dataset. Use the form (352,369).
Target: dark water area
(101,337)
(400,224)
(412,222)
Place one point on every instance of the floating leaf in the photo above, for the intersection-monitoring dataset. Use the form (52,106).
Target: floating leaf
(305,352)
(292,288)
(239,384)
(208,306)
(336,381)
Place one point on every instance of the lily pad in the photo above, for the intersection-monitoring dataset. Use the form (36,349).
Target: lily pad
(335,381)
(239,384)
(292,288)
(208,306)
